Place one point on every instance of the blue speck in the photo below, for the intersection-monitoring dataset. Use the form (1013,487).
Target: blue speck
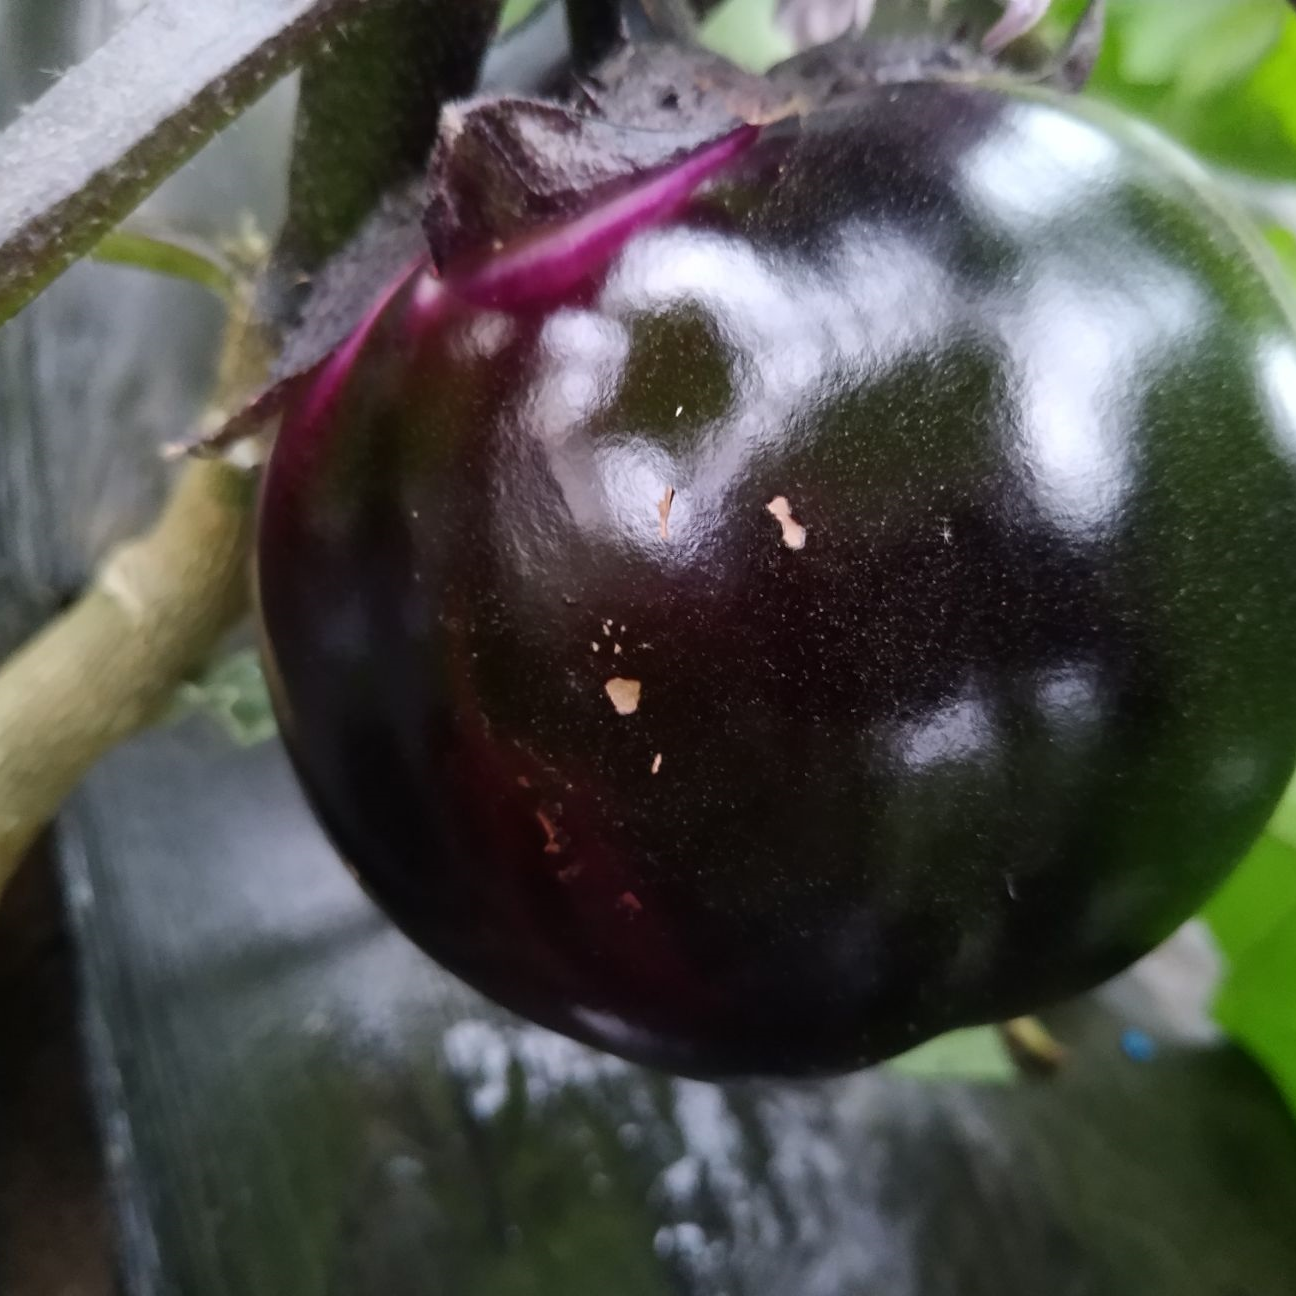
(1138,1046)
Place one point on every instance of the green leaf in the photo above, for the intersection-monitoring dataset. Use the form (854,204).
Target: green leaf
(1253,917)
(178,257)
(1159,34)
(976,1054)
(233,693)
(745,31)
(1274,82)
(1202,75)
(1255,899)
(105,135)
(515,11)
(1283,823)
(1257,1003)
(1230,47)
(1197,46)
(1283,242)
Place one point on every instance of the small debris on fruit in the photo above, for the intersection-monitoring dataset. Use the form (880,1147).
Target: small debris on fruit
(624,694)
(552,845)
(794,534)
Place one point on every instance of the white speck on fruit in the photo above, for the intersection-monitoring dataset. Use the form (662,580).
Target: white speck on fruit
(794,534)
(616,648)
(679,409)
(623,694)
(594,645)
(607,629)
(656,765)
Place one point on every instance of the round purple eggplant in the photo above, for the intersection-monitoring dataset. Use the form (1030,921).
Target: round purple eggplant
(844,594)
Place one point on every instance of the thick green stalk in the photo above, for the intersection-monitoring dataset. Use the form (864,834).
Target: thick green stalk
(154,612)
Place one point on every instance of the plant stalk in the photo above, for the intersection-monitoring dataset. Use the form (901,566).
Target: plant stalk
(156,609)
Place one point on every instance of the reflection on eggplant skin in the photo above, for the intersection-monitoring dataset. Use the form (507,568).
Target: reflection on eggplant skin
(924,492)
(1277,375)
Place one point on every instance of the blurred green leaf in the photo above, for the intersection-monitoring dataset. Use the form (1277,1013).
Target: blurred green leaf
(1283,242)
(233,693)
(1158,35)
(1255,899)
(1274,82)
(515,11)
(1257,1003)
(180,258)
(977,1055)
(1219,75)
(745,31)
(1230,47)
(1253,918)
(1283,823)
(1197,45)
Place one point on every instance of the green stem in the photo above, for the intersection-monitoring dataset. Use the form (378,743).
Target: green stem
(82,157)
(367,115)
(111,663)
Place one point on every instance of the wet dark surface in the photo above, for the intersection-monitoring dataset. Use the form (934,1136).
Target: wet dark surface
(55,1226)
(297,1101)
(862,609)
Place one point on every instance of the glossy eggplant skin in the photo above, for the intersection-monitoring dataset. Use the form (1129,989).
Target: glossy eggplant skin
(866,606)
